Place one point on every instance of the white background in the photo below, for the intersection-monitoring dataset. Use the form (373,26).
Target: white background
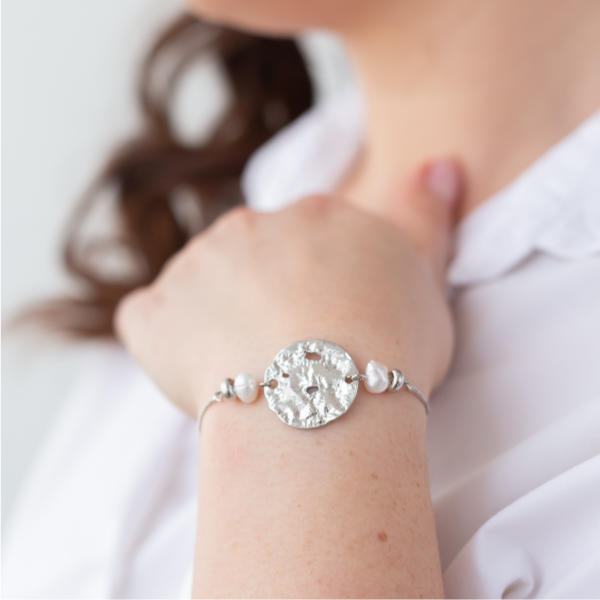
(68,76)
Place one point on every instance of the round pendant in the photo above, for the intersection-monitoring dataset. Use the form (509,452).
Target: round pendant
(311,383)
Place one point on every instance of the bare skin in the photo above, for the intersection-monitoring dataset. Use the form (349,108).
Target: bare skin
(492,83)
(342,510)
(345,511)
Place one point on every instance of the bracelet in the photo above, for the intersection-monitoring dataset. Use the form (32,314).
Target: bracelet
(312,382)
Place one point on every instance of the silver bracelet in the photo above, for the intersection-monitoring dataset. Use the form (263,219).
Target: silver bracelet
(312,382)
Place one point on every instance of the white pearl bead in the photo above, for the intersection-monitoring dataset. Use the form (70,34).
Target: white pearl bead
(377,377)
(246,388)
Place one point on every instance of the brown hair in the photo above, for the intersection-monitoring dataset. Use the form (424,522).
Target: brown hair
(270,86)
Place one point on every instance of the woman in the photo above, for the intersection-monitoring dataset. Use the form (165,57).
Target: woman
(496,493)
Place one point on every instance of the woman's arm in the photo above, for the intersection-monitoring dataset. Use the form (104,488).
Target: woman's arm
(341,510)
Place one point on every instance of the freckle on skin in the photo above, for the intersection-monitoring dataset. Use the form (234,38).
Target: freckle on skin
(374,476)
(382,535)
(350,452)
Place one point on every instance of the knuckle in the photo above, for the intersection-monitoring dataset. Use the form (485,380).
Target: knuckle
(195,248)
(237,218)
(200,252)
(123,313)
(135,309)
(316,204)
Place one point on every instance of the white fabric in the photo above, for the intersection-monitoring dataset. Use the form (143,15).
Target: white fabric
(514,432)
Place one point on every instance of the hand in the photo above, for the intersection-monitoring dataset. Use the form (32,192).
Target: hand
(252,283)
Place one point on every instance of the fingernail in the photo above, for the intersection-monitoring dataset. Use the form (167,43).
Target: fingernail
(442,179)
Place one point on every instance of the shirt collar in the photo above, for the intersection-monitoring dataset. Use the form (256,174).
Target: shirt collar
(553,206)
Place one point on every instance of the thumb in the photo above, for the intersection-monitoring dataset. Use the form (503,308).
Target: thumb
(426,208)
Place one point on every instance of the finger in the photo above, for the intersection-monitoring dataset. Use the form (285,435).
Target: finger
(426,209)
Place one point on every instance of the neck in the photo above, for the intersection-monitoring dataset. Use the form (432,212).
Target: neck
(492,83)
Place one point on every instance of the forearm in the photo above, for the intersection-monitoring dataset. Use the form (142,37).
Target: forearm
(338,511)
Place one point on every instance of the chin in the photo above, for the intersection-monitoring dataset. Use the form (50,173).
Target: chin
(273,17)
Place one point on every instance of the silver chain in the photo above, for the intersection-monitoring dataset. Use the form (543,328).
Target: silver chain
(397,382)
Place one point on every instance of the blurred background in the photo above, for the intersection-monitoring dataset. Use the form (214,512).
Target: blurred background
(68,74)
(68,78)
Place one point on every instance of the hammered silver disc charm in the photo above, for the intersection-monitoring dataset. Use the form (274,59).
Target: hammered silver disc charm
(313,383)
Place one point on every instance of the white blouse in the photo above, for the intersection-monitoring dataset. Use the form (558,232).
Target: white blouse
(514,432)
